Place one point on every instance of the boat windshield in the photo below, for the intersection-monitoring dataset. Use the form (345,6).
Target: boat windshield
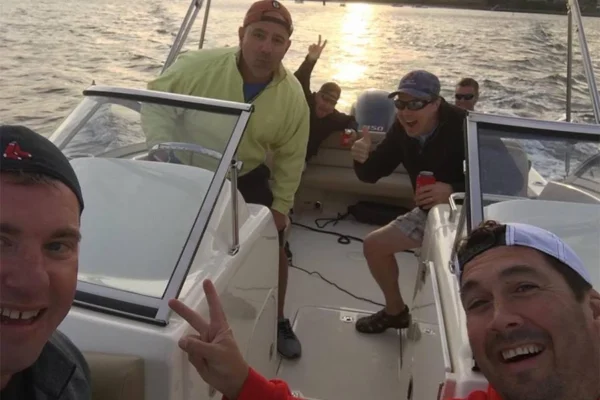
(151,166)
(537,172)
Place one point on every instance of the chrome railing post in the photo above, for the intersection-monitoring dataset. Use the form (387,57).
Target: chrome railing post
(569,64)
(459,228)
(585,56)
(569,84)
(182,34)
(235,246)
(452,202)
(204,25)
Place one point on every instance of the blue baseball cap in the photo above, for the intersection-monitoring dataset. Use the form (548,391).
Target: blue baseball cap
(517,234)
(420,84)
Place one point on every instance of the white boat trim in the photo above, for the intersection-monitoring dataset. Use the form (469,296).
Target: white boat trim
(152,96)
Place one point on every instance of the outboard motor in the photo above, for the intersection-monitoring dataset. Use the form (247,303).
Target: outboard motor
(374,109)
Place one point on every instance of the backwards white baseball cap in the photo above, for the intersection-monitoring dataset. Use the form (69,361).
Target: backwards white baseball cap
(518,234)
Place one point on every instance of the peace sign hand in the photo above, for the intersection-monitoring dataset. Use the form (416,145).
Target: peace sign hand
(213,352)
(314,50)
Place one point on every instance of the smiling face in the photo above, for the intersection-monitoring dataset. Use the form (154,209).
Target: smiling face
(530,336)
(324,104)
(417,116)
(39,228)
(263,44)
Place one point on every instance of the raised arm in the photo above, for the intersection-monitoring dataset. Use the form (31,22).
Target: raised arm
(305,70)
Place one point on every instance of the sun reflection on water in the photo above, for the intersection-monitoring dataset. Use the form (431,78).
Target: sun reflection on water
(354,40)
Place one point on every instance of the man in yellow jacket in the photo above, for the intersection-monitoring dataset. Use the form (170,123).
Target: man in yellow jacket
(251,73)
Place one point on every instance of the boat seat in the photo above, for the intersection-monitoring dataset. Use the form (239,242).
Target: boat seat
(522,161)
(565,192)
(497,153)
(342,179)
(332,169)
(116,376)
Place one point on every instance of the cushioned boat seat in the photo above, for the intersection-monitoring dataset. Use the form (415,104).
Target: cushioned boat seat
(116,377)
(332,169)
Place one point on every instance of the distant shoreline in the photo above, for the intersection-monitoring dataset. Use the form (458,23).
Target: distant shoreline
(454,4)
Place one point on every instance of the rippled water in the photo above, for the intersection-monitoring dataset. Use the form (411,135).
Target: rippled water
(52,49)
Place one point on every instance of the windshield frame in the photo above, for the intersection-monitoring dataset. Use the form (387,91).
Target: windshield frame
(137,306)
(131,98)
(515,127)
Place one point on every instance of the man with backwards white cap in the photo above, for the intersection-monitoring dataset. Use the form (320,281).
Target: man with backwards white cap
(533,318)
(533,321)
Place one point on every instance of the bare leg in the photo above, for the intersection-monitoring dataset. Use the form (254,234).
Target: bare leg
(380,247)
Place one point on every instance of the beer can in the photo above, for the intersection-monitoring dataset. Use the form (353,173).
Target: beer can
(425,178)
(346,137)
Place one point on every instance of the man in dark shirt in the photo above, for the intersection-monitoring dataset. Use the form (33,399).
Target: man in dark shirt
(426,136)
(466,93)
(324,118)
(41,207)
(499,173)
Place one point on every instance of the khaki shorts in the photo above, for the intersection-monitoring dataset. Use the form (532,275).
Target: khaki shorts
(412,224)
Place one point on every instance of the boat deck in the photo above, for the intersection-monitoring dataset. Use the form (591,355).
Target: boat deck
(337,361)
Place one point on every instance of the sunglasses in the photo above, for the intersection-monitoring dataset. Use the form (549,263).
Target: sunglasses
(413,105)
(459,96)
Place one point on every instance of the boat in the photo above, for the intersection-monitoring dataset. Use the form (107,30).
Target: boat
(154,231)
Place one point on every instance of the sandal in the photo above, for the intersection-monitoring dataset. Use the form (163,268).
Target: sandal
(381,321)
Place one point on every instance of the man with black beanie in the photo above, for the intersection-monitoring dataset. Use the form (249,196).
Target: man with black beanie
(40,213)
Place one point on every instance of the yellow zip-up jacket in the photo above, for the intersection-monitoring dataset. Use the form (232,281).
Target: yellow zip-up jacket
(280,121)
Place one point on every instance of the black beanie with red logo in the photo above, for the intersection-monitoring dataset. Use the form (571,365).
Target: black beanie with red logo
(24,150)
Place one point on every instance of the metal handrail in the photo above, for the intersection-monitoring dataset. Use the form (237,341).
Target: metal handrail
(234,168)
(461,222)
(452,201)
(179,146)
(184,30)
(204,24)
(569,66)
(574,14)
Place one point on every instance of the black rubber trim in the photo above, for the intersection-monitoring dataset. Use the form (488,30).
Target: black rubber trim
(118,308)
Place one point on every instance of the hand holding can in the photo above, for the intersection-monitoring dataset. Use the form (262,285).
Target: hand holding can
(346,137)
(425,178)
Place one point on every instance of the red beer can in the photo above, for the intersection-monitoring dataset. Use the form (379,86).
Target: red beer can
(425,178)
(346,137)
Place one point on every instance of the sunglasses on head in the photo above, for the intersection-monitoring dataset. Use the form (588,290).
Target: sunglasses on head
(328,98)
(413,105)
(459,96)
